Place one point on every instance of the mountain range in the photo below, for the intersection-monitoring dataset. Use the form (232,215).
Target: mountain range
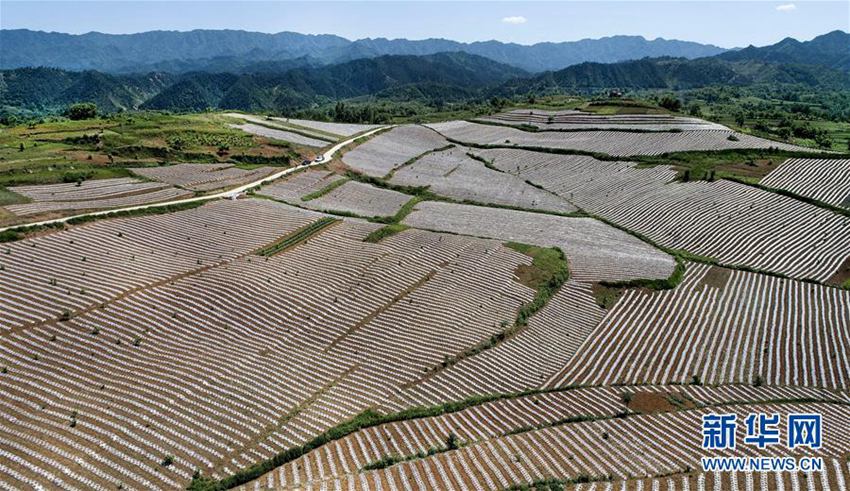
(236,51)
(296,83)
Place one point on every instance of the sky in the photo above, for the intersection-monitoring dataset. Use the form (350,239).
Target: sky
(722,23)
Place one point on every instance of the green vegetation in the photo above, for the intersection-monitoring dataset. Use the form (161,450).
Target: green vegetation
(385,232)
(298,236)
(82,110)
(325,190)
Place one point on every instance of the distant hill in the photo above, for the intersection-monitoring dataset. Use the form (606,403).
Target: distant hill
(51,89)
(831,50)
(231,51)
(677,74)
(444,75)
(462,72)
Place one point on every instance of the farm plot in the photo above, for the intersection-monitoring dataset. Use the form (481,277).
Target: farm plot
(229,365)
(300,184)
(821,179)
(282,124)
(614,143)
(383,153)
(88,195)
(340,129)
(360,199)
(721,326)
(596,251)
(524,361)
(584,180)
(737,225)
(835,475)
(453,174)
(61,273)
(574,120)
(283,135)
(417,438)
(618,448)
(204,177)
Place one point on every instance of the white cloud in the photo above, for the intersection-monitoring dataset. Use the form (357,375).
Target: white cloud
(788,7)
(515,20)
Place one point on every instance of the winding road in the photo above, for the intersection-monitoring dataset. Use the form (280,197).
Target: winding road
(230,193)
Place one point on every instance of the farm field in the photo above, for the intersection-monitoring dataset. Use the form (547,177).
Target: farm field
(719,327)
(452,174)
(281,134)
(728,221)
(203,177)
(577,120)
(88,195)
(596,251)
(387,151)
(417,313)
(614,143)
(603,450)
(824,180)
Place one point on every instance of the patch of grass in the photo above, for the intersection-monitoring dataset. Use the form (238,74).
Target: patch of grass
(546,263)
(606,296)
(9,198)
(297,236)
(385,232)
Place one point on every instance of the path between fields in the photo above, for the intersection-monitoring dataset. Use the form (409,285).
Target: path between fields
(230,193)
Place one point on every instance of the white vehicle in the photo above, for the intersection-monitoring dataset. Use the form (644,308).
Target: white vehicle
(320,158)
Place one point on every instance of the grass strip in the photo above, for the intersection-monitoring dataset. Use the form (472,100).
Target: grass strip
(297,236)
(325,190)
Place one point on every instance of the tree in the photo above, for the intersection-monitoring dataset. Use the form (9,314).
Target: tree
(82,110)
(695,110)
(670,103)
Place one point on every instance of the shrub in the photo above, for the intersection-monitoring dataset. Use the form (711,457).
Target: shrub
(82,110)
(168,460)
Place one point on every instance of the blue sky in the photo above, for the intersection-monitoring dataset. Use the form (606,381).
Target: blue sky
(726,23)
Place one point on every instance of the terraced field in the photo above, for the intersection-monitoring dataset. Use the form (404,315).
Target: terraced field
(451,173)
(596,251)
(718,327)
(423,315)
(89,195)
(607,449)
(204,177)
(577,120)
(824,180)
(616,143)
(361,200)
(387,151)
(280,134)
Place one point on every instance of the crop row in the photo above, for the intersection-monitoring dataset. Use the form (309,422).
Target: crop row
(387,151)
(821,179)
(721,326)
(451,173)
(615,143)
(596,251)
(618,448)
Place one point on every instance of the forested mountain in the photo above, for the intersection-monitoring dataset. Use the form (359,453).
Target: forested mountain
(443,75)
(831,50)
(432,79)
(230,51)
(678,74)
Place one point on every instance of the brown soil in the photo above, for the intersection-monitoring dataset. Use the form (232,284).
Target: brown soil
(716,277)
(841,276)
(531,276)
(658,402)
(606,296)
(759,168)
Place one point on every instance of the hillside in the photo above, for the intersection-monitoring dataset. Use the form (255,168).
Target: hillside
(831,50)
(445,75)
(676,74)
(229,50)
